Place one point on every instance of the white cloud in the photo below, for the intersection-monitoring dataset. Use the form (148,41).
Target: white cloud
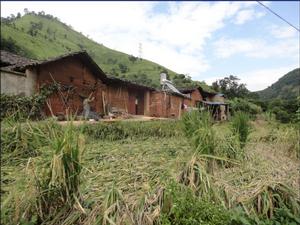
(259,79)
(283,32)
(175,38)
(244,16)
(257,48)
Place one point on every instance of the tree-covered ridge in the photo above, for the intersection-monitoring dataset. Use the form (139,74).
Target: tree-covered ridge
(287,87)
(41,36)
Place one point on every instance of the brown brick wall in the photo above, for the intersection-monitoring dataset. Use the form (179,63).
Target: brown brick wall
(124,98)
(71,72)
(195,97)
(117,96)
(165,105)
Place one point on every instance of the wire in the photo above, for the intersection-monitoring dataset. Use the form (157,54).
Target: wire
(278,15)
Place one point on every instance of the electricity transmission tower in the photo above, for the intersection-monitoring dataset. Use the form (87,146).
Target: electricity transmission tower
(140,50)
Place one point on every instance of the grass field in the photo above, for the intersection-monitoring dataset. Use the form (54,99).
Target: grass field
(126,177)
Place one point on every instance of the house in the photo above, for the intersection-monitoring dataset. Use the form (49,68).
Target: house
(77,74)
(194,94)
(215,103)
(128,96)
(79,77)
(166,104)
(14,81)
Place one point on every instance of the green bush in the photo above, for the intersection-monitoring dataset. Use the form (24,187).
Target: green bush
(19,107)
(244,105)
(187,209)
(281,216)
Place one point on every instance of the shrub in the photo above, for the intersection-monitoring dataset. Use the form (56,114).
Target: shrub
(243,105)
(189,210)
(24,107)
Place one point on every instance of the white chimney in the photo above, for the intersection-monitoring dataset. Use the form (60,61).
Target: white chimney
(163,77)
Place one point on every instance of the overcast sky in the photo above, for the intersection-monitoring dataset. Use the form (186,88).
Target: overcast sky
(207,40)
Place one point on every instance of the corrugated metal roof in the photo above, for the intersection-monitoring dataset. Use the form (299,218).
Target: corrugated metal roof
(214,103)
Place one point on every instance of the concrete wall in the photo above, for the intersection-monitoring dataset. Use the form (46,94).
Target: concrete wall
(15,83)
(31,79)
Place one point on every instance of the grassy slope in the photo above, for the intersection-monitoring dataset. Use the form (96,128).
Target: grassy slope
(285,88)
(44,45)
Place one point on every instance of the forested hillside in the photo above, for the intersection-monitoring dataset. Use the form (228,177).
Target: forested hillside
(287,87)
(41,36)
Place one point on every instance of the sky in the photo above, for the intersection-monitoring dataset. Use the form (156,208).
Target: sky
(205,40)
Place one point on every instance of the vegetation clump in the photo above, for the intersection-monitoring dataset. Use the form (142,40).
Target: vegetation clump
(188,209)
(240,126)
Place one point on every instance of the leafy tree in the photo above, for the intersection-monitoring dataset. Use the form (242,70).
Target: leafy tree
(111,61)
(10,45)
(123,68)
(41,13)
(34,27)
(230,87)
(132,58)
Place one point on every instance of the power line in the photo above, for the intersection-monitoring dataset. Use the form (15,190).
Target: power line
(278,15)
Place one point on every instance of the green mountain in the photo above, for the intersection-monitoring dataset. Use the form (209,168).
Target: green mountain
(287,87)
(40,36)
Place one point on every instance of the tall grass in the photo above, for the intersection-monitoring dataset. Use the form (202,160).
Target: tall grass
(138,130)
(198,128)
(195,177)
(192,121)
(267,198)
(51,190)
(115,209)
(240,126)
(19,141)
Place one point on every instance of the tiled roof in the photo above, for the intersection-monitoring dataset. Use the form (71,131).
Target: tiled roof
(12,61)
(117,80)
